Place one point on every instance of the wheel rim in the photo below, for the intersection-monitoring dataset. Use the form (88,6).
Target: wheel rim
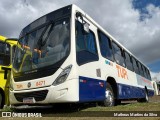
(147,99)
(109,98)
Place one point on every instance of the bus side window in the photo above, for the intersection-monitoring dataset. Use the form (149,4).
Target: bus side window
(118,54)
(144,70)
(85,45)
(128,60)
(135,65)
(148,75)
(4,54)
(105,46)
(140,69)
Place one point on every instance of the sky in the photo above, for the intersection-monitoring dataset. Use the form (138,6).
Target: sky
(134,23)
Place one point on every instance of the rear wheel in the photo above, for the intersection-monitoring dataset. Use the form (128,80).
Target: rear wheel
(1,101)
(109,97)
(117,102)
(145,99)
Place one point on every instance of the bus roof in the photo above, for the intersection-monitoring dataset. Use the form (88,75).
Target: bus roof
(2,38)
(11,41)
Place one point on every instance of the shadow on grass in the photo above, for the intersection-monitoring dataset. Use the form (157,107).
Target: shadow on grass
(54,109)
(58,108)
(70,110)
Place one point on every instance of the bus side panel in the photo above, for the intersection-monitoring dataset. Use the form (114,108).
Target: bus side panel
(141,81)
(91,89)
(128,92)
(3,81)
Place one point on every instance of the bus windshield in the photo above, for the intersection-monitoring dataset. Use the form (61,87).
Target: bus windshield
(43,47)
(4,54)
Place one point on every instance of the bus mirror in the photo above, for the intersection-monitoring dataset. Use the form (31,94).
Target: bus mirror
(5,71)
(86,27)
(85,24)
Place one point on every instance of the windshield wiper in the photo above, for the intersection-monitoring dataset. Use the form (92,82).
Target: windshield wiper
(42,41)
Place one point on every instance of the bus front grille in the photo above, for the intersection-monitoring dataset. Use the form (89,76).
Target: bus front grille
(38,95)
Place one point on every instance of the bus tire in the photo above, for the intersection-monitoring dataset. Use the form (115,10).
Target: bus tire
(109,97)
(117,102)
(1,101)
(145,99)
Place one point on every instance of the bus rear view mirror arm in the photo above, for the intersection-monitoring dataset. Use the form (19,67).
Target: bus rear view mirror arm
(85,24)
(5,71)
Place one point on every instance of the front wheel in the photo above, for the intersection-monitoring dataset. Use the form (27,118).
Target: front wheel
(109,97)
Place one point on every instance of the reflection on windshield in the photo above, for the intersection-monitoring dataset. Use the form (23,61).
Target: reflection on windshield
(43,47)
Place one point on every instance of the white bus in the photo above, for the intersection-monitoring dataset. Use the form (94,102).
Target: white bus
(66,57)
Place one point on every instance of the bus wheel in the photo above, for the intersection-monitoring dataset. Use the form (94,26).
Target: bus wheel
(145,99)
(109,97)
(1,101)
(117,102)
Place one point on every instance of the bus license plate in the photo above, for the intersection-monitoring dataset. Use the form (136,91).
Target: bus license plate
(29,100)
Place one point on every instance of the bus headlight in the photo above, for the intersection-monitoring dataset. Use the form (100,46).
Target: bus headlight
(63,76)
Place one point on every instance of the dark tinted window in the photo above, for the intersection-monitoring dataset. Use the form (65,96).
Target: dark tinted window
(135,65)
(118,54)
(2,46)
(148,75)
(128,61)
(85,45)
(105,46)
(4,54)
(144,71)
(140,69)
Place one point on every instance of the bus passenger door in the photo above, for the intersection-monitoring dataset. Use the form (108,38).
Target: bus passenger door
(91,87)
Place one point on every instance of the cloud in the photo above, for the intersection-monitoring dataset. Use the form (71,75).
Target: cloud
(17,14)
(14,16)
(119,18)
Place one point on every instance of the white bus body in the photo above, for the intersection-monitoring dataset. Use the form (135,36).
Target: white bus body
(82,74)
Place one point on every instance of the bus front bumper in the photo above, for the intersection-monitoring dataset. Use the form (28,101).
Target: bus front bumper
(66,92)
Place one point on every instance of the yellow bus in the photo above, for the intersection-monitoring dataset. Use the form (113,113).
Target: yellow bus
(7,48)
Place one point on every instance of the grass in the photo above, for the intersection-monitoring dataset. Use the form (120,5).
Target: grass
(67,111)
(93,107)
(7,109)
(128,107)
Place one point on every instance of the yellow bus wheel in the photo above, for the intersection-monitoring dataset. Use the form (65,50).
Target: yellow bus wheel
(1,101)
